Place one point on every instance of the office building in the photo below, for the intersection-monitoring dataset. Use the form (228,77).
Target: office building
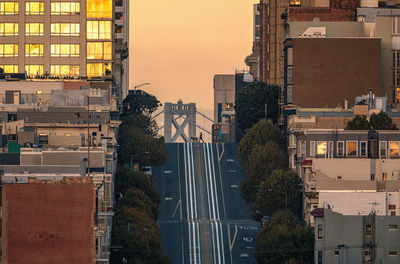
(65,39)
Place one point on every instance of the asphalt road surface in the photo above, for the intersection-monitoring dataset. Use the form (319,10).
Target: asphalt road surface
(203,217)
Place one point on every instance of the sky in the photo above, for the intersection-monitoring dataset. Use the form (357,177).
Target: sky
(178,46)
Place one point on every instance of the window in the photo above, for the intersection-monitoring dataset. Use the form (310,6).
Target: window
(340,148)
(320,234)
(33,50)
(392,207)
(319,257)
(303,148)
(9,8)
(321,148)
(336,253)
(367,255)
(34,8)
(99,50)
(8,29)
(43,139)
(382,149)
(330,149)
(98,69)
(392,227)
(396,59)
(372,177)
(363,148)
(65,8)
(99,8)
(396,26)
(65,29)
(8,50)
(312,148)
(64,70)
(64,50)
(34,29)
(32,70)
(392,253)
(9,68)
(394,149)
(393,213)
(384,176)
(351,150)
(98,29)
(368,230)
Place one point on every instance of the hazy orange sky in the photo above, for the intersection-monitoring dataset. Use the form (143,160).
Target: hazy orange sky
(178,46)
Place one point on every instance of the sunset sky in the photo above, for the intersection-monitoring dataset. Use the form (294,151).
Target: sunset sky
(178,46)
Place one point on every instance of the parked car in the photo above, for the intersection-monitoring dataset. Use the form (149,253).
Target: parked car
(147,170)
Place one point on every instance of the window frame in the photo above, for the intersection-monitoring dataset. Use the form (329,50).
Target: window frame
(366,148)
(3,32)
(56,30)
(30,65)
(394,253)
(41,50)
(337,149)
(54,12)
(390,149)
(347,148)
(94,56)
(14,66)
(3,8)
(28,33)
(28,11)
(56,50)
(15,48)
(91,35)
(380,149)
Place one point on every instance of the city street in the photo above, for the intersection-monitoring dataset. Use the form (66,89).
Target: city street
(203,217)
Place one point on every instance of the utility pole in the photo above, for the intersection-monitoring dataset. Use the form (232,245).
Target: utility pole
(88,134)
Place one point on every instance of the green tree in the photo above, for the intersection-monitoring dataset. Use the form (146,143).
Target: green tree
(273,192)
(136,198)
(250,104)
(358,123)
(381,121)
(126,179)
(140,102)
(285,240)
(139,236)
(140,121)
(137,146)
(259,134)
(263,160)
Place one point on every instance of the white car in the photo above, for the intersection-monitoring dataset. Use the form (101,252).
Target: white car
(147,170)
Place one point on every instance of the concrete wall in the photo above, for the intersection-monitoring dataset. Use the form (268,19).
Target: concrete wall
(48,223)
(334,69)
(349,169)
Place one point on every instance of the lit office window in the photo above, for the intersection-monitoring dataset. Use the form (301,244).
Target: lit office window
(32,70)
(8,8)
(64,70)
(99,8)
(33,50)
(394,149)
(99,50)
(65,8)
(8,50)
(8,29)
(34,8)
(351,148)
(65,29)
(9,68)
(98,69)
(98,29)
(64,50)
(321,147)
(34,29)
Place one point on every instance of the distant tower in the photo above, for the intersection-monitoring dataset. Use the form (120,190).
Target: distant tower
(172,113)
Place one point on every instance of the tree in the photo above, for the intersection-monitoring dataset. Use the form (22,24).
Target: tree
(143,122)
(139,236)
(136,198)
(262,161)
(381,121)
(126,179)
(136,146)
(250,104)
(285,240)
(140,102)
(259,134)
(273,192)
(358,123)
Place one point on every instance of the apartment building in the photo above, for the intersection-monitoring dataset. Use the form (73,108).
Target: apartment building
(64,39)
(355,239)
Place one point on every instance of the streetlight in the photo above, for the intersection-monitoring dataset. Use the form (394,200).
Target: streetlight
(271,190)
(265,110)
(140,85)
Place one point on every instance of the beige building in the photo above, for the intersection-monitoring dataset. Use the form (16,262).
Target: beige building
(54,39)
